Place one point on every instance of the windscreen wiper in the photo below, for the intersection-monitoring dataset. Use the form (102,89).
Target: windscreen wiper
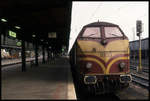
(115,35)
(90,35)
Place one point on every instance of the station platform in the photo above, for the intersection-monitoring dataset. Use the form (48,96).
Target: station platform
(7,62)
(52,80)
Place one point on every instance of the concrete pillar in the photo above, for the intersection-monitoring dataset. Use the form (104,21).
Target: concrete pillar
(43,52)
(23,56)
(2,32)
(4,38)
(36,54)
(0,47)
(48,55)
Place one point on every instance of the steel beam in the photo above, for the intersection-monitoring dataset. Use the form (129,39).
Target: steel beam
(0,46)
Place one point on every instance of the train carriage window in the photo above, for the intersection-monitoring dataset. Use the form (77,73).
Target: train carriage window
(112,32)
(93,32)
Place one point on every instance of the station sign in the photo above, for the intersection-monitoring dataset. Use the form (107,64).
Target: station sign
(12,34)
(52,35)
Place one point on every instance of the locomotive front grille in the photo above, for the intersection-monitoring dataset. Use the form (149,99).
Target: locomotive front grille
(90,79)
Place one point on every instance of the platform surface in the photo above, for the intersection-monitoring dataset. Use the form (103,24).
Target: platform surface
(52,80)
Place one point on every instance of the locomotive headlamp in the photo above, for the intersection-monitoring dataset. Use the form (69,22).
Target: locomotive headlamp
(89,65)
(90,79)
(122,65)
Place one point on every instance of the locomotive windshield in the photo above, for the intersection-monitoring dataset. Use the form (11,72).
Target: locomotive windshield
(93,32)
(112,32)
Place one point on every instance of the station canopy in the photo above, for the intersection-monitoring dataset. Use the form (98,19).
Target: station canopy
(45,21)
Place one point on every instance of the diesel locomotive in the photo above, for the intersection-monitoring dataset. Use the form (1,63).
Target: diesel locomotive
(100,58)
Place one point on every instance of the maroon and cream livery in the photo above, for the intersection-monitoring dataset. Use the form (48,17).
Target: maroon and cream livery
(100,57)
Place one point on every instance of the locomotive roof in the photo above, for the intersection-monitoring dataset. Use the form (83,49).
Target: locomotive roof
(97,24)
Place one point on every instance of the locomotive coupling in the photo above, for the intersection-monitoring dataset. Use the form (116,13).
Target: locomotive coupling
(125,78)
(90,79)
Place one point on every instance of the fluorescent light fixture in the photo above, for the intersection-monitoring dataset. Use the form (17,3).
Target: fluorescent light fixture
(17,27)
(33,35)
(3,20)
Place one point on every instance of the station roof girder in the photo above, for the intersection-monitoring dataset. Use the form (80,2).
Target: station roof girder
(39,17)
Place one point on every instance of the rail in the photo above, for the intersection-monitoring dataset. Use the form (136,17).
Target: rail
(142,81)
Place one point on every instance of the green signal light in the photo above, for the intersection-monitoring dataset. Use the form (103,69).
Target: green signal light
(62,49)
(18,43)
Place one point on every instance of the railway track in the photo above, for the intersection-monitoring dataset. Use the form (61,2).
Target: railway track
(82,95)
(142,81)
(146,70)
(143,64)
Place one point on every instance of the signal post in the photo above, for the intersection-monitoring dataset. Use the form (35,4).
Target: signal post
(139,31)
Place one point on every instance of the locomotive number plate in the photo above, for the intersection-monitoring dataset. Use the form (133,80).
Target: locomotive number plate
(105,54)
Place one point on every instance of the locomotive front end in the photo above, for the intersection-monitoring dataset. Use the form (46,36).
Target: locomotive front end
(102,52)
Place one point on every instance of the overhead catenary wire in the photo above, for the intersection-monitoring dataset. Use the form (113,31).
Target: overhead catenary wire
(100,5)
(92,15)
